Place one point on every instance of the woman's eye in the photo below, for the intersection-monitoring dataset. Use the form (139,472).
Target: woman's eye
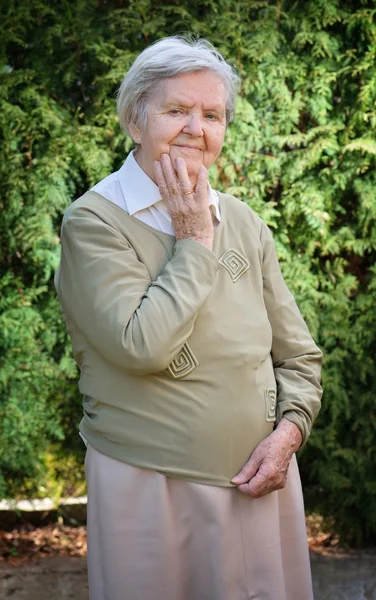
(211,117)
(175,111)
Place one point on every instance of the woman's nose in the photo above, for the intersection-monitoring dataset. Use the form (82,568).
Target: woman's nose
(194,126)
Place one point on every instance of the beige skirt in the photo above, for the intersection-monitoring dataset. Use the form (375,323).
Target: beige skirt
(151,537)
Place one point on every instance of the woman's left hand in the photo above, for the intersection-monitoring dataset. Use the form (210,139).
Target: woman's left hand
(266,470)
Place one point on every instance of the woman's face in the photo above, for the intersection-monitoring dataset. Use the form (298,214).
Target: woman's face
(186,117)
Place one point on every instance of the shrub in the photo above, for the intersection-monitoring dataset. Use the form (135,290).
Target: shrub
(301,152)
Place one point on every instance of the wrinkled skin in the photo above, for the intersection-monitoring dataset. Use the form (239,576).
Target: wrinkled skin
(189,210)
(266,470)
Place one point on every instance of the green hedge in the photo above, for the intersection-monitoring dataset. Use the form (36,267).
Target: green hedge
(301,153)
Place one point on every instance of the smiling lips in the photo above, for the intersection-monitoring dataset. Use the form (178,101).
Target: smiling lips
(189,147)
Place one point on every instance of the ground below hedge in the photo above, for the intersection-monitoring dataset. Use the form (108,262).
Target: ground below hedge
(27,543)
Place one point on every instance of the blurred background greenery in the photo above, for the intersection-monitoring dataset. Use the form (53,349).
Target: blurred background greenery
(301,153)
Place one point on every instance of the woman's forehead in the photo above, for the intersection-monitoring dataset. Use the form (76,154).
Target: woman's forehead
(204,88)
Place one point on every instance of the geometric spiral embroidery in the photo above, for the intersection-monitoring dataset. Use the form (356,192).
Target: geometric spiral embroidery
(270,404)
(185,362)
(235,263)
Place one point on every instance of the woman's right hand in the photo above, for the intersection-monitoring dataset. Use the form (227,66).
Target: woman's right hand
(189,210)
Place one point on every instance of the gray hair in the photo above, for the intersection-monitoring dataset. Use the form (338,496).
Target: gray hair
(170,57)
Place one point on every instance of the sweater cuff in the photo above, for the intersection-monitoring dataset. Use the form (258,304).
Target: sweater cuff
(189,245)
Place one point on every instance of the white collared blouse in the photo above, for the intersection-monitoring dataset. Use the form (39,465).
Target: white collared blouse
(137,194)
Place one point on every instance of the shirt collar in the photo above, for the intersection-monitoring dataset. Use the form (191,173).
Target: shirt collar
(141,192)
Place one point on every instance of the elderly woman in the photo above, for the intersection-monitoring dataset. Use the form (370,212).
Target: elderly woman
(200,378)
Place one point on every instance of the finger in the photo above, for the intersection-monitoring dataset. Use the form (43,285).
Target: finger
(254,492)
(247,471)
(161,181)
(263,483)
(169,175)
(183,178)
(258,485)
(202,185)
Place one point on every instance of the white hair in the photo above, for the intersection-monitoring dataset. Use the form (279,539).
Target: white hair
(170,57)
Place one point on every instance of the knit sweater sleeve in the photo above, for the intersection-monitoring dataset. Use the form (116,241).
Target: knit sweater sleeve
(134,322)
(296,358)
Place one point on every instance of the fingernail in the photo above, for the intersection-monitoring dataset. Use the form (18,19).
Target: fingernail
(236,480)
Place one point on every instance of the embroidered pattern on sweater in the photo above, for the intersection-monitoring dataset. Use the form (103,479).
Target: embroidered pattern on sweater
(185,362)
(235,263)
(270,404)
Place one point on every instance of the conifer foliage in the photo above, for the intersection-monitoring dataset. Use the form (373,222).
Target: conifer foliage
(301,152)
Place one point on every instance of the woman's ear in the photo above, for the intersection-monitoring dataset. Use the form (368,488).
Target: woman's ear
(135,133)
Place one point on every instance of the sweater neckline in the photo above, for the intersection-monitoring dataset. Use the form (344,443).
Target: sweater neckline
(152,229)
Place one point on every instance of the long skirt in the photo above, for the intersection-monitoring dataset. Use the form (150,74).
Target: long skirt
(152,537)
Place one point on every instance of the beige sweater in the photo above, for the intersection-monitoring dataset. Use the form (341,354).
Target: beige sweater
(187,356)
